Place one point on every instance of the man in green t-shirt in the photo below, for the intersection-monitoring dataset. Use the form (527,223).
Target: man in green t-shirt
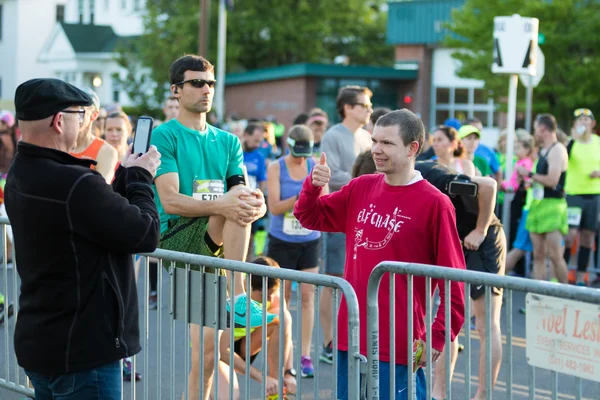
(204,204)
(583,191)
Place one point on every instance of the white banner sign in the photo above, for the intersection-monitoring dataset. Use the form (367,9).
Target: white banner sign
(563,336)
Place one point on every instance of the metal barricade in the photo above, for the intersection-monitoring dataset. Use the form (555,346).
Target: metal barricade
(535,289)
(165,339)
(184,307)
(12,377)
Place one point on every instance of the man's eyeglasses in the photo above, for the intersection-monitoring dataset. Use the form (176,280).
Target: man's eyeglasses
(586,112)
(198,83)
(364,105)
(81,113)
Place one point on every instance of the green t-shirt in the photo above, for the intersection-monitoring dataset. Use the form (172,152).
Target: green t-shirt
(203,160)
(482,165)
(584,158)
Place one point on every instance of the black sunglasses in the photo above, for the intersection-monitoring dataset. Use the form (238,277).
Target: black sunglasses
(80,112)
(198,83)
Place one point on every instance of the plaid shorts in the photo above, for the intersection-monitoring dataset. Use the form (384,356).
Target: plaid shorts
(188,235)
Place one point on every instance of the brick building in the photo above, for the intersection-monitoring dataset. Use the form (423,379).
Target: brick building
(286,91)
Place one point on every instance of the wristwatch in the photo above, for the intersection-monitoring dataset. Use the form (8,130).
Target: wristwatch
(291,372)
(531,174)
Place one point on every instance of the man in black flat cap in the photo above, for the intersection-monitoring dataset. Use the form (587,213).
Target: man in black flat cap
(74,236)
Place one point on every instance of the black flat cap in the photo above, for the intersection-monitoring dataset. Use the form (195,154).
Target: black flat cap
(40,98)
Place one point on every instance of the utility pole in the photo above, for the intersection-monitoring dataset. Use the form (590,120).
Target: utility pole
(203,29)
(221,51)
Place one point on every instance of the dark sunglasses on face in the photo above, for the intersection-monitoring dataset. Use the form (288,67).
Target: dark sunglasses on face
(198,83)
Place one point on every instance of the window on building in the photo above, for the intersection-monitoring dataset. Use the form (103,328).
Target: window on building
(116,89)
(441,116)
(462,103)
(480,96)
(461,115)
(442,95)
(60,13)
(461,96)
(106,4)
(92,11)
(1,19)
(123,4)
(81,10)
(496,119)
(483,116)
(136,5)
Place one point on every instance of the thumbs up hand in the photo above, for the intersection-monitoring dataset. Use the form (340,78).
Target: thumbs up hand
(321,173)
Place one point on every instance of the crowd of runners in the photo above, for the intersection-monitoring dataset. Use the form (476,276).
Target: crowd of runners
(337,199)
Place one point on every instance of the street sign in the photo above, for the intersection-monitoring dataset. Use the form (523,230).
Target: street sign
(515,43)
(563,336)
(540,67)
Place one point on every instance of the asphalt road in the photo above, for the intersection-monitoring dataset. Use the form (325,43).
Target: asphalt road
(160,361)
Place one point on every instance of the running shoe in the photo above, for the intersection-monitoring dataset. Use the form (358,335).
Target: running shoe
(10,311)
(256,313)
(127,371)
(327,353)
(153,301)
(307,369)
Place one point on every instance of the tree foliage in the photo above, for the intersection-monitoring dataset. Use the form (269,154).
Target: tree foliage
(571,51)
(260,33)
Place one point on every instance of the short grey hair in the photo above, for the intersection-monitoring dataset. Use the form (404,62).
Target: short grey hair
(94,96)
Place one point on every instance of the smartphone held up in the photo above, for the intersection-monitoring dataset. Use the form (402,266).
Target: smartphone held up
(143,131)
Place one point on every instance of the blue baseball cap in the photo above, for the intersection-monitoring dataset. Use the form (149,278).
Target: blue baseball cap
(453,122)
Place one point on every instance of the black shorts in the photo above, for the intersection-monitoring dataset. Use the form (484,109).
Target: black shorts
(582,211)
(490,258)
(237,349)
(297,256)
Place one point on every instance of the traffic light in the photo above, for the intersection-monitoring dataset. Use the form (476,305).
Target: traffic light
(407,99)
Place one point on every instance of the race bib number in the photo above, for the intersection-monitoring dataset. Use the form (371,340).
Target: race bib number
(574,216)
(292,227)
(208,189)
(538,191)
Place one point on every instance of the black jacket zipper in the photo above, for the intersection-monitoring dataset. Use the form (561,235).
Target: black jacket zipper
(119,339)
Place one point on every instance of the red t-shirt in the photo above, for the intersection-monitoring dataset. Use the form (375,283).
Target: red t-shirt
(414,223)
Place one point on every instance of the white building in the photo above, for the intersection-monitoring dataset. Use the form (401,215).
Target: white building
(74,40)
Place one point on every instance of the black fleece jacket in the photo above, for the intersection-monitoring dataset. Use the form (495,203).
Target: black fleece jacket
(74,237)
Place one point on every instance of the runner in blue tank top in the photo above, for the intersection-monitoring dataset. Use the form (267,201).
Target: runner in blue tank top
(291,245)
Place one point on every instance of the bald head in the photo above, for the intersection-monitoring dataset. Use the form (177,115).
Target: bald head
(58,131)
